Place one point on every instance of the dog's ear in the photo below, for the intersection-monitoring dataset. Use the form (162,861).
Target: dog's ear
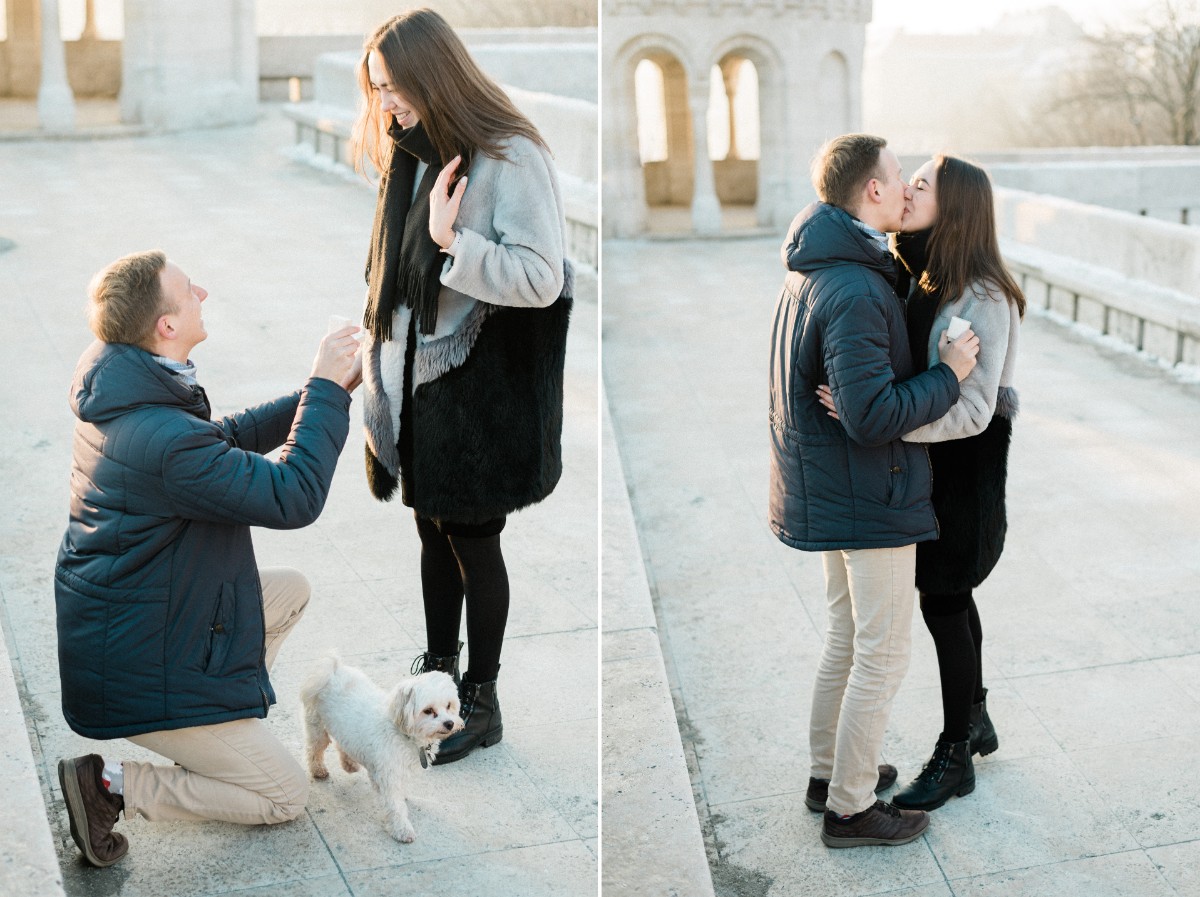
(402,707)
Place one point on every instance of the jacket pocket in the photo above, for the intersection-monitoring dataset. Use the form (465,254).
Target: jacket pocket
(221,631)
(112,651)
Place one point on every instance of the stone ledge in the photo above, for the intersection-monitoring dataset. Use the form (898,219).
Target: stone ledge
(651,839)
(28,862)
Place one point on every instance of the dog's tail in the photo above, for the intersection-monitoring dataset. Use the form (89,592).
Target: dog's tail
(320,676)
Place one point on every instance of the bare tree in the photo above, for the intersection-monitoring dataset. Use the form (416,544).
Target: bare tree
(1132,86)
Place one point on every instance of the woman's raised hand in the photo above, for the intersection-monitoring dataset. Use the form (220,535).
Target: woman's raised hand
(443,205)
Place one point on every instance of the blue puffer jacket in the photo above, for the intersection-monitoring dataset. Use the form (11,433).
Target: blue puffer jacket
(853,483)
(160,620)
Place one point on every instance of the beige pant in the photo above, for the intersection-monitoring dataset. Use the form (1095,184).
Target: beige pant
(870,594)
(236,771)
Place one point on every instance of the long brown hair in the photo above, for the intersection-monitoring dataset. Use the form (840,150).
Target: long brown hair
(963,247)
(462,109)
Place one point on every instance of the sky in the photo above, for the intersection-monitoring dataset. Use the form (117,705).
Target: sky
(952,16)
(959,16)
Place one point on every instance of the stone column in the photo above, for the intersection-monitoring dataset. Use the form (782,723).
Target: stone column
(729,74)
(55,102)
(89,22)
(706,208)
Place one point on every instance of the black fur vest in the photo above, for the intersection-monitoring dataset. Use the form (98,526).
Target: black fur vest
(481,434)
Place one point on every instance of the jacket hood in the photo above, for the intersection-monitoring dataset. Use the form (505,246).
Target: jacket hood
(112,379)
(824,236)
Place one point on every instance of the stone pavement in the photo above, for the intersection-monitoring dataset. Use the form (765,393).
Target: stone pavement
(1090,620)
(279,247)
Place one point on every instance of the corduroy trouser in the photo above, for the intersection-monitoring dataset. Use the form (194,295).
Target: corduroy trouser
(236,771)
(870,594)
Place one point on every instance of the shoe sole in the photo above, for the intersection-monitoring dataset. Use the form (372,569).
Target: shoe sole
(836,843)
(984,749)
(68,778)
(962,791)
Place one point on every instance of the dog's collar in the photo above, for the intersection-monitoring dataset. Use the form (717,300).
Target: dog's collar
(426,755)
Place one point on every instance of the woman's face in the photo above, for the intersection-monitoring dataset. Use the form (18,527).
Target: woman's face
(391,101)
(922,211)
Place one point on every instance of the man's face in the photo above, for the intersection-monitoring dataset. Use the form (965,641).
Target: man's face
(186,322)
(894,194)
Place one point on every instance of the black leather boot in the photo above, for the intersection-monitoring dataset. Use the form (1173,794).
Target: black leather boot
(981,733)
(432,663)
(948,772)
(482,724)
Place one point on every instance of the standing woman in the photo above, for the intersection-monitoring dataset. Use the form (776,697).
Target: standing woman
(466,317)
(949,247)
(951,265)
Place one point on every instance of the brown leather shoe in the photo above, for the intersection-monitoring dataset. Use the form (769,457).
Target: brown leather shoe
(818,789)
(878,824)
(92,810)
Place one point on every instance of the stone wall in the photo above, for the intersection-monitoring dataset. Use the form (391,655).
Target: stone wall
(1139,248)
(554,60)
(1165,189)
(93,68)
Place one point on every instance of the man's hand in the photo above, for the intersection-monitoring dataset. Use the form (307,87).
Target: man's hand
(960,353)
(338,358)
(443,205)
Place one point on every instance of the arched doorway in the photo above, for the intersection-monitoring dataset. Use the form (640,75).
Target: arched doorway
(734,136)
(665,138)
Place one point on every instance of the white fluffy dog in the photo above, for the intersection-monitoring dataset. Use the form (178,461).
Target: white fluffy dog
(390,734)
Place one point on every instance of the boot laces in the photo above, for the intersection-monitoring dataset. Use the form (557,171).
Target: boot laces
(467,705)
(938,763)
(420,664)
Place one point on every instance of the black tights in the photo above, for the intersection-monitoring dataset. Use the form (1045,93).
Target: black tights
(953,621)
(455,566)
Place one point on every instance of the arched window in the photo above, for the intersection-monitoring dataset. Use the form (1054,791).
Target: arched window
(745,112)
(717,117)
(733,125)
(651,102)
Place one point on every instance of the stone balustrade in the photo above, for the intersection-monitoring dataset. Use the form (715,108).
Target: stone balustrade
(1125,276)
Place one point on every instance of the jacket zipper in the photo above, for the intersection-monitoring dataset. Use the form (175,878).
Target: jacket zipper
(936,525)
(262,654)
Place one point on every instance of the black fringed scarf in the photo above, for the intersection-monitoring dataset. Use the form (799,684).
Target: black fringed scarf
(921,307)
(405,263)
(912,249)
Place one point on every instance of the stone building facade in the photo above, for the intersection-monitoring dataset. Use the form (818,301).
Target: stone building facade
(807,55)
(181,63)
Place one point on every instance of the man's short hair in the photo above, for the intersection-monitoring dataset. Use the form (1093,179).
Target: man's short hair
(125,299)
(843,166)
